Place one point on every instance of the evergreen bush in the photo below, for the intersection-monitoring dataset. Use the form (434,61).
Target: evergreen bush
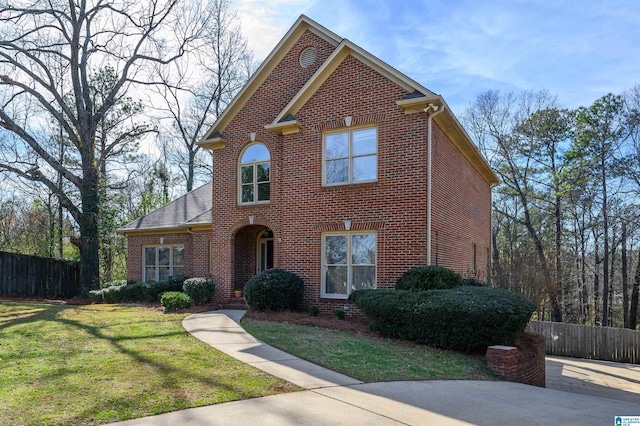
(173,301)
(114,283)
(463,318)
(274,289)
(137,292)
(428,278)
(200,290)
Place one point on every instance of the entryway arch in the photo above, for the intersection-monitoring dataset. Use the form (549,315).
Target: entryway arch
(253,252)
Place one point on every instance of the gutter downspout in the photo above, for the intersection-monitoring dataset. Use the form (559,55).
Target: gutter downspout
(436,110)
(489,267)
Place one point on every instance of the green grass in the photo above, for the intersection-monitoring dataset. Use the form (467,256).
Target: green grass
(369,359)
(96,364)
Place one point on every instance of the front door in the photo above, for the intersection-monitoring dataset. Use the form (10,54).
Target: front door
(265,251)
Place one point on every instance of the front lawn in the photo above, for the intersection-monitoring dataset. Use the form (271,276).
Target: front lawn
(73,365)
(367,358)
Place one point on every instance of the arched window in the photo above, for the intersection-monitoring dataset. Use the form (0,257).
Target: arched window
(255,178)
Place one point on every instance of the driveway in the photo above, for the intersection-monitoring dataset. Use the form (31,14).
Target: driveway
(331,398)
(604,379)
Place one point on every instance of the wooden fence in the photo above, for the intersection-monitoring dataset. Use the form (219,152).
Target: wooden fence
(33,276)
(583,341)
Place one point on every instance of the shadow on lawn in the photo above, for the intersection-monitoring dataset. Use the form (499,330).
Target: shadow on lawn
(174,378)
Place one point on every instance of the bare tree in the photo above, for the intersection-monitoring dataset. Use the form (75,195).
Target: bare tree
(49,53)
(600,131)
(195,94)
(497,122)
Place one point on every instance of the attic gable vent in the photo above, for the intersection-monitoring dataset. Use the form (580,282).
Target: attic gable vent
(308,57)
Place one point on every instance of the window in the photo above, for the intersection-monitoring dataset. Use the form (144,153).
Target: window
(348,263)
(161,262)
(255,180)
(351,156)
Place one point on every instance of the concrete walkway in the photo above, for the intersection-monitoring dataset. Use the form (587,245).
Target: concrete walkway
(331,398)
(613,380)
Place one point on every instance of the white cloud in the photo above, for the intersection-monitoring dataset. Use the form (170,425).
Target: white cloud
(265,22)
(577,49)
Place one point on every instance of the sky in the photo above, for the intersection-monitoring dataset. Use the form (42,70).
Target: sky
(577,50)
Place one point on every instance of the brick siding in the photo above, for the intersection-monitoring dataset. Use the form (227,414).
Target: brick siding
(301,209)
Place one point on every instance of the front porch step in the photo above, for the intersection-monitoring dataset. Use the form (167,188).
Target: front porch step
(236,303)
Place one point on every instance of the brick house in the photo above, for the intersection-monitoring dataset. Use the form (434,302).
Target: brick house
(331,164)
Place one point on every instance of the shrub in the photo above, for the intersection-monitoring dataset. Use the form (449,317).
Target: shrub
(472,282)
(314,311)
(96,296)
(338,313)
(114,283)
(200,290)
(176,282)
(464,318)
(173,301)
(428,278)
(111,294)
(137,292)
(274,289)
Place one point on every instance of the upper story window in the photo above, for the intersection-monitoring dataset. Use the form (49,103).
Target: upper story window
(255,177)
(350,156)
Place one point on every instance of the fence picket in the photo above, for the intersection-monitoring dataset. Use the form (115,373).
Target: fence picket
(583,341)
(33,276)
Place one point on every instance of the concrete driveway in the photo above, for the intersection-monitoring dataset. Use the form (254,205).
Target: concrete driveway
(604,379)
(331,398)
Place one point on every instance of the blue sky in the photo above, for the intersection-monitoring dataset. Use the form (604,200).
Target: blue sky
(578,50)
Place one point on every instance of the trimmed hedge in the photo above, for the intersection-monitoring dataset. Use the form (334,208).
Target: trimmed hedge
(428,278)
(463,318)
(173,301)
(114,283)
(472,282)
(200,290)
(137,292)
(274,289)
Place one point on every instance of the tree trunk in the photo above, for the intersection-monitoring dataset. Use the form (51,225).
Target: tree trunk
(605,230)
(612,270)
(625,278)
(191,170)
(89,243)
(596,285)
(633,311)
(558,243)
(555,295)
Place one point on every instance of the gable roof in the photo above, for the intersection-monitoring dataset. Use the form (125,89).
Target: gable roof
(347,48)
(302,24)
(284,123)
(191,210)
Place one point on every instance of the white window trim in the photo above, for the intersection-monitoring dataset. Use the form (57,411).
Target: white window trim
(348,234)
(255,165)
(144,260)
(350,180)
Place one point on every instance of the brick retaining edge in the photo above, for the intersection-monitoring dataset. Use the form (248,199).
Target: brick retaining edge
(522,363)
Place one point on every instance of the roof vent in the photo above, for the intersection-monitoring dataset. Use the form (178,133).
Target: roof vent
(308,57)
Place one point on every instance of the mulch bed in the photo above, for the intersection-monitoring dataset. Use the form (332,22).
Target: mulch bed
(353,324)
